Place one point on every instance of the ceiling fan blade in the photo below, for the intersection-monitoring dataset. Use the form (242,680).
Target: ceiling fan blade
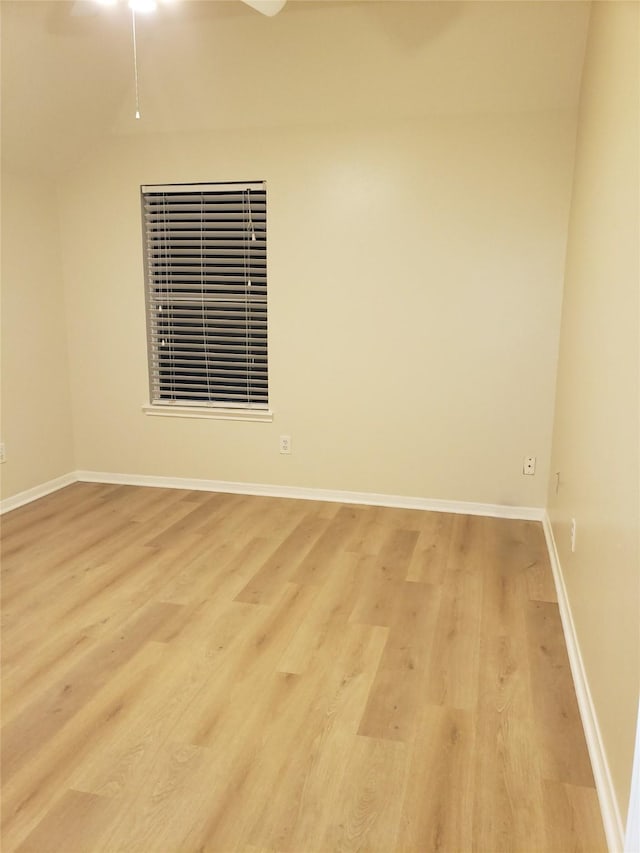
(266,7)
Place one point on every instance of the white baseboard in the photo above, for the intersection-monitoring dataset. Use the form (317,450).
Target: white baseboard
(36,492)
(523,513)
(302,493)
(609,807)
(632,840)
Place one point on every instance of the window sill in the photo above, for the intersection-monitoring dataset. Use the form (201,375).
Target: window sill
(220,414)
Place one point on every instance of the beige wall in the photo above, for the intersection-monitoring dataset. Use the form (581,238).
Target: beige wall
(595,443)
(415,289)
(418,203)
(36,411)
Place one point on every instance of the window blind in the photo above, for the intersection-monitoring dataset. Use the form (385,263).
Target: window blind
(206,294)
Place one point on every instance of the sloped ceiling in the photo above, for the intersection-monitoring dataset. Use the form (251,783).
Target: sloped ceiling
(67,68)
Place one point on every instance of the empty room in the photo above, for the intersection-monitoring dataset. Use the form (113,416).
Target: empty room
(320,425)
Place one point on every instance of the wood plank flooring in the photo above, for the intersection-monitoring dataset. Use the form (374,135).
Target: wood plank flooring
(185,671)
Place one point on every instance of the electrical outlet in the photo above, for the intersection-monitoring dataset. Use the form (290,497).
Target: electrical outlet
(529,465)
(573,534)
(3,454)
(285,444)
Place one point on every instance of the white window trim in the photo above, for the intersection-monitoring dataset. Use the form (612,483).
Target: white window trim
(212,412)
(221,410)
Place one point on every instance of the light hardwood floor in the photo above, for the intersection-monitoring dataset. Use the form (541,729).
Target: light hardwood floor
(185,671)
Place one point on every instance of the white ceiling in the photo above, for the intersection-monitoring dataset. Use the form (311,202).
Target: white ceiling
(67,78)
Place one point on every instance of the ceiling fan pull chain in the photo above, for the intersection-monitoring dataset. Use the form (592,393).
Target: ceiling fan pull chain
(135,61)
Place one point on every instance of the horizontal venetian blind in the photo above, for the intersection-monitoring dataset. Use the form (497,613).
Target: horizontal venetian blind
(206,294)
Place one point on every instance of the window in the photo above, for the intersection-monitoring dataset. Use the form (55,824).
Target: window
(206,295)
